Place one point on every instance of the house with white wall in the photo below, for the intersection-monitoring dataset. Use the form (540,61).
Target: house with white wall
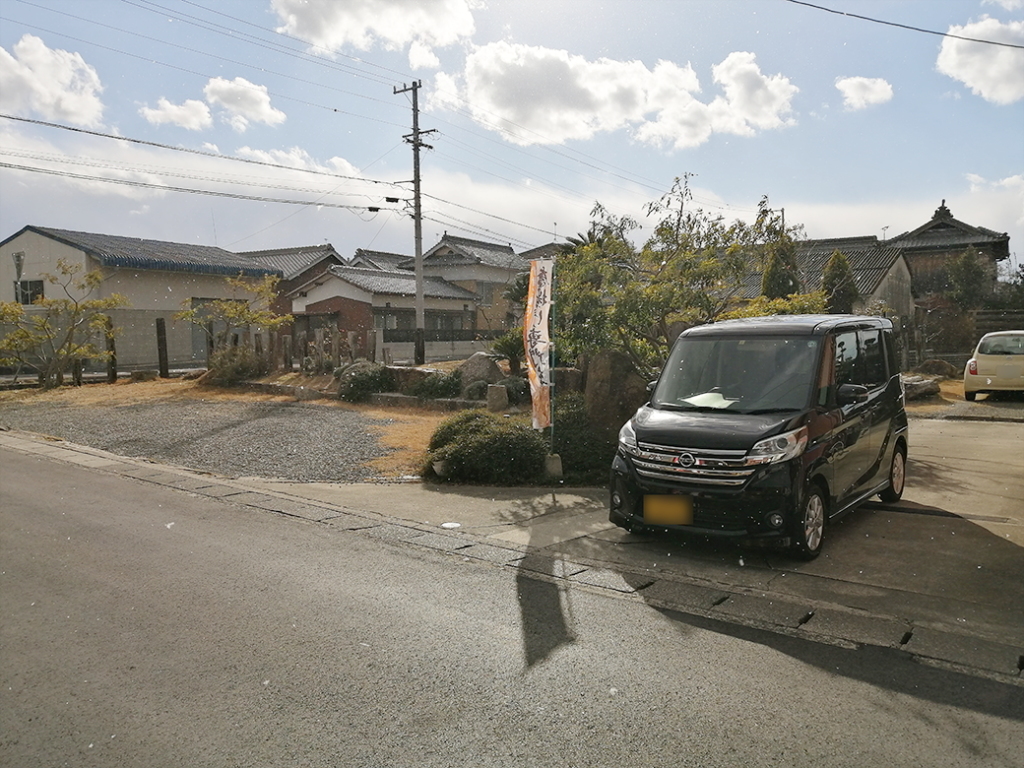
(159,278)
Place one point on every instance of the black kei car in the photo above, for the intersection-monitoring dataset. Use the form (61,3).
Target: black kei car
(764,429)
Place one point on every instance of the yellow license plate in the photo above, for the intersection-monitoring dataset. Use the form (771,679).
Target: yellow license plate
(669,509)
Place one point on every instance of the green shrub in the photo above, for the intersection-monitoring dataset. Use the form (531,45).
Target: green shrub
(477,390)
(357,384)
(481,447)
(463,421)
(438,385)
(233,365)
(586,457)
(518,390)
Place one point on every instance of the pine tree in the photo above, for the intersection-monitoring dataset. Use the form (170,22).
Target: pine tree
(838,283)
(781,275)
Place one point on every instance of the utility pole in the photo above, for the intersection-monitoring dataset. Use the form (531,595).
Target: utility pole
(414,139)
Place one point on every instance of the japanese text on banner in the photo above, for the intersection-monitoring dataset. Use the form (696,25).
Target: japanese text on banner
(537,340)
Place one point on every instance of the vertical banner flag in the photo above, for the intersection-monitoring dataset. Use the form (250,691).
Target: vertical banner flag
(537,340)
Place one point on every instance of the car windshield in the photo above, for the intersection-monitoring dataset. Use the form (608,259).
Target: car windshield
(1012,344)
(759,375)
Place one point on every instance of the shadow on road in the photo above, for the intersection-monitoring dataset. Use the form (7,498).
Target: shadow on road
(884,668)
(546,623)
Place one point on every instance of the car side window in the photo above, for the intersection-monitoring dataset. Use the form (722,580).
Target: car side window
(847,360)
(828,354)
(872,358)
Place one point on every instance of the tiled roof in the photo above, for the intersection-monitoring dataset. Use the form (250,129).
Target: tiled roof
(467,251)
(870,261)
(397,283)
(546,251)
(944,232)
(136,253)
(292,262)
(381,260)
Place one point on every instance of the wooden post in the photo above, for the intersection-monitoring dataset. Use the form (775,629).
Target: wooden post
(112,352)
(209,342)
(161,347)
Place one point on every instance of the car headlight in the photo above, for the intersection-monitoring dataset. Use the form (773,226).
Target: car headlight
(627,439)
(776,449)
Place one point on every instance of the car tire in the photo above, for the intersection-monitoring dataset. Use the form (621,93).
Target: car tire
(897,476)
(970,396)
(809,533)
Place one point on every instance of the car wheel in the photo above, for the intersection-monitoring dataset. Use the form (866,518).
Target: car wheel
(810,530)
(970,396)
(897,476)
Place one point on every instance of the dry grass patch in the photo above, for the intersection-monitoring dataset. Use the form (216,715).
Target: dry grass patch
(950,391)
(407,433)
(126,392)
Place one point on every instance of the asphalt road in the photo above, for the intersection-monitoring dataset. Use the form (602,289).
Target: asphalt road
(146,626)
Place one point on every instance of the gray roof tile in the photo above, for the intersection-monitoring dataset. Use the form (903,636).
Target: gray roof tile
(396,283)
(292,262)
(467,251)
(136,253)
(870,260)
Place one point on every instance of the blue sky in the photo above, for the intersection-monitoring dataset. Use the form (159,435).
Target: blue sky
(539,110)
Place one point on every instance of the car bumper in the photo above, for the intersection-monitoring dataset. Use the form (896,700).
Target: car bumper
(992,384)
(746,512)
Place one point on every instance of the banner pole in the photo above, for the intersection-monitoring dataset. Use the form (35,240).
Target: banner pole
(551,358)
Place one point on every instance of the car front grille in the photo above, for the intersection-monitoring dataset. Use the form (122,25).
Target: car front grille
(692,465)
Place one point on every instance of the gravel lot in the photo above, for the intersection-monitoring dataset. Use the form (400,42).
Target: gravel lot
(291,441)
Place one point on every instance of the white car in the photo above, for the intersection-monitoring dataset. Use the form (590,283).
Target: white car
(997,364)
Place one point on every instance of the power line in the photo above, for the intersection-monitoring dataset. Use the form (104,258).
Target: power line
(490,215)
(904,26)
(147,5)
(465,226)
(384,78)
(155,169)
(590,161)
(151,60)
(200,152)
(165,188)
(280,49)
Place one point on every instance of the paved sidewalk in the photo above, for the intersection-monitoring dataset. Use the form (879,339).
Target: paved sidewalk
(933,604)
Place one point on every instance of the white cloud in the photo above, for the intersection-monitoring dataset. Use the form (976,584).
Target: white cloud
(862,92)
(51,83)
(543,95)
(990,71)
(421,56)
(1010,5)
(192,115)
(752,100)
(245,102)
(389,24)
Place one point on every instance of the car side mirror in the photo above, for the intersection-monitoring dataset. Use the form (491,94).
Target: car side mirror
(849,394)
(651,385)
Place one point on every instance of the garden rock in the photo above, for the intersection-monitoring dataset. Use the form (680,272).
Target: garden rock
(938,368)
(480,367)
(568,380)
(614,391)
(497,398)
(917,387)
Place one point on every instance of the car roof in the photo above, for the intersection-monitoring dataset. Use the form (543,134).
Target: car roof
(1003,333)
(801,325)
